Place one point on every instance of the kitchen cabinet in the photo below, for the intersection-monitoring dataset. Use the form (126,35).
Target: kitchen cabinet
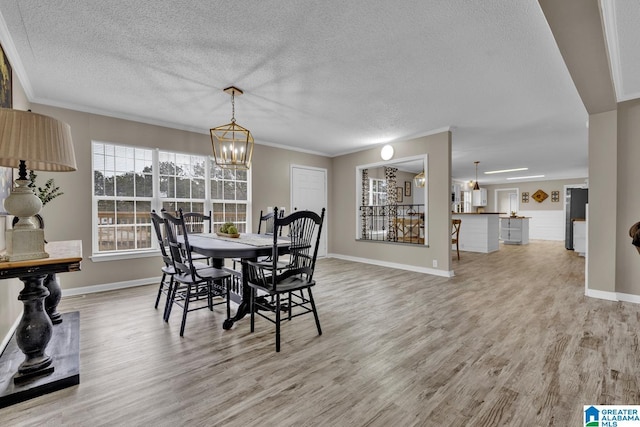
(478,232)
(514,231)
(580,236)
(479,197)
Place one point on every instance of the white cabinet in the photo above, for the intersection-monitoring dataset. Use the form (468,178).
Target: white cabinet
(478,232)
(514,231)
(580,237)
(480,197)
(456,189)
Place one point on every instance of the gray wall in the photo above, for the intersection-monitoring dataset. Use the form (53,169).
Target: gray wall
(342,232)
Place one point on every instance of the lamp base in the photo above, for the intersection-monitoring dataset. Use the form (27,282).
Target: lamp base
(25,244)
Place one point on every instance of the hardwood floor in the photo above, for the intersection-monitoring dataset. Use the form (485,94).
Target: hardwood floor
(511,340)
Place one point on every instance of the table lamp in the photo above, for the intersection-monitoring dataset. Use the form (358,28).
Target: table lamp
(41,143)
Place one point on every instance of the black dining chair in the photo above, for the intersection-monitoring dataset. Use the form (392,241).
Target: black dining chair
(305,228)
(168,271)
(265,226)
(192,285)
(197,222)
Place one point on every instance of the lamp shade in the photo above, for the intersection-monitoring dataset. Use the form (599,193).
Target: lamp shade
(44,143)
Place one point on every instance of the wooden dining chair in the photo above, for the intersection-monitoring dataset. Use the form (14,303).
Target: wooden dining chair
(197,222)
(265,226)
(455,234)
(167,270)
(192,285)
(305,228)
(157,221)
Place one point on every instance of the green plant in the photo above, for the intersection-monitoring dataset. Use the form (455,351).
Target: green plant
(46,194)
(228,228)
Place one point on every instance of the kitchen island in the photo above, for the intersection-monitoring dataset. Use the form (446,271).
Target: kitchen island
(479,232)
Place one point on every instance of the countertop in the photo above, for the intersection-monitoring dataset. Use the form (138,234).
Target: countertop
(478,213)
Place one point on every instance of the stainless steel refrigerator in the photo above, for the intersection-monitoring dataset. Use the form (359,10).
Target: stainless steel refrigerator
(576,201)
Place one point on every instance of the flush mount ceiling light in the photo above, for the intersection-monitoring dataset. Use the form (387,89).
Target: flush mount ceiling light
(476,186)
(387,152)
(526,177)
(232,144)
(506,170)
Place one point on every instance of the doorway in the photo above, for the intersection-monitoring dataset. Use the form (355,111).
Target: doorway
(507,200)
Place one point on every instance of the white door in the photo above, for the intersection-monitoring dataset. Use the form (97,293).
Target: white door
(309,192)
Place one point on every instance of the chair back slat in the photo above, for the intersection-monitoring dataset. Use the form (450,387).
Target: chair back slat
(455,228)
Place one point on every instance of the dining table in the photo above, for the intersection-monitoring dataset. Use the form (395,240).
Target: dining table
(246,247)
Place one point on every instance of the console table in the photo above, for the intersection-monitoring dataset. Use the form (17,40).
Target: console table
(39,372)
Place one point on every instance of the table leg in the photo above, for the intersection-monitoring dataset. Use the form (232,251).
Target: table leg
(52,301)
(243,308)
(34,330)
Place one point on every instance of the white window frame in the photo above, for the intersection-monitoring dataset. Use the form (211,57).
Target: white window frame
(156,202)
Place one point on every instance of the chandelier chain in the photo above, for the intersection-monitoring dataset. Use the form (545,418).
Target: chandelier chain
(233,106)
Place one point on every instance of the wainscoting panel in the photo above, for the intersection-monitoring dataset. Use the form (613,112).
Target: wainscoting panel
(545,225)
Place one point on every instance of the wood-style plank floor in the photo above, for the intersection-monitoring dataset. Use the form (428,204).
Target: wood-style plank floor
(511,340)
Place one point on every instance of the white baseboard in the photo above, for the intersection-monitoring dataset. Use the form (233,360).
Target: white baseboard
(109,286)
(613,296)
(441,273)
(606,295)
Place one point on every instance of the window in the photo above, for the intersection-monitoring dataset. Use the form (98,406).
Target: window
(378,192)
(123,191)
(229,194)
(128,182)
(377,199)
(182,181)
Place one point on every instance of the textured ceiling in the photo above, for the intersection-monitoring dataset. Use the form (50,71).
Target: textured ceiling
(328,76)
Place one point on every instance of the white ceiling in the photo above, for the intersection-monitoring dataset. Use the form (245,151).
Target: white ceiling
(328,77)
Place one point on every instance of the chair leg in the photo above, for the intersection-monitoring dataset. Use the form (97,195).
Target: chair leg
(186,309)
(210,295)
(315,312)
(168,301)
(164,276)
(171,300)
(289,302)
(458,250)
(228,296)
(252,308)
(277,322)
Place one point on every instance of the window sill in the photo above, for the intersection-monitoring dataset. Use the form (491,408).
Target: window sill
(124,255)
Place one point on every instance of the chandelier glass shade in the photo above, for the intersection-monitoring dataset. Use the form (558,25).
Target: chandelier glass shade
(232,143)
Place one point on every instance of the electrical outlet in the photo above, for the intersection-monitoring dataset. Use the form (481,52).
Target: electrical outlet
(435,263)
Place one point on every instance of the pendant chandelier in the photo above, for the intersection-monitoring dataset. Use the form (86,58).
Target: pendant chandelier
(476,186)
(420,180)
(232,144)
